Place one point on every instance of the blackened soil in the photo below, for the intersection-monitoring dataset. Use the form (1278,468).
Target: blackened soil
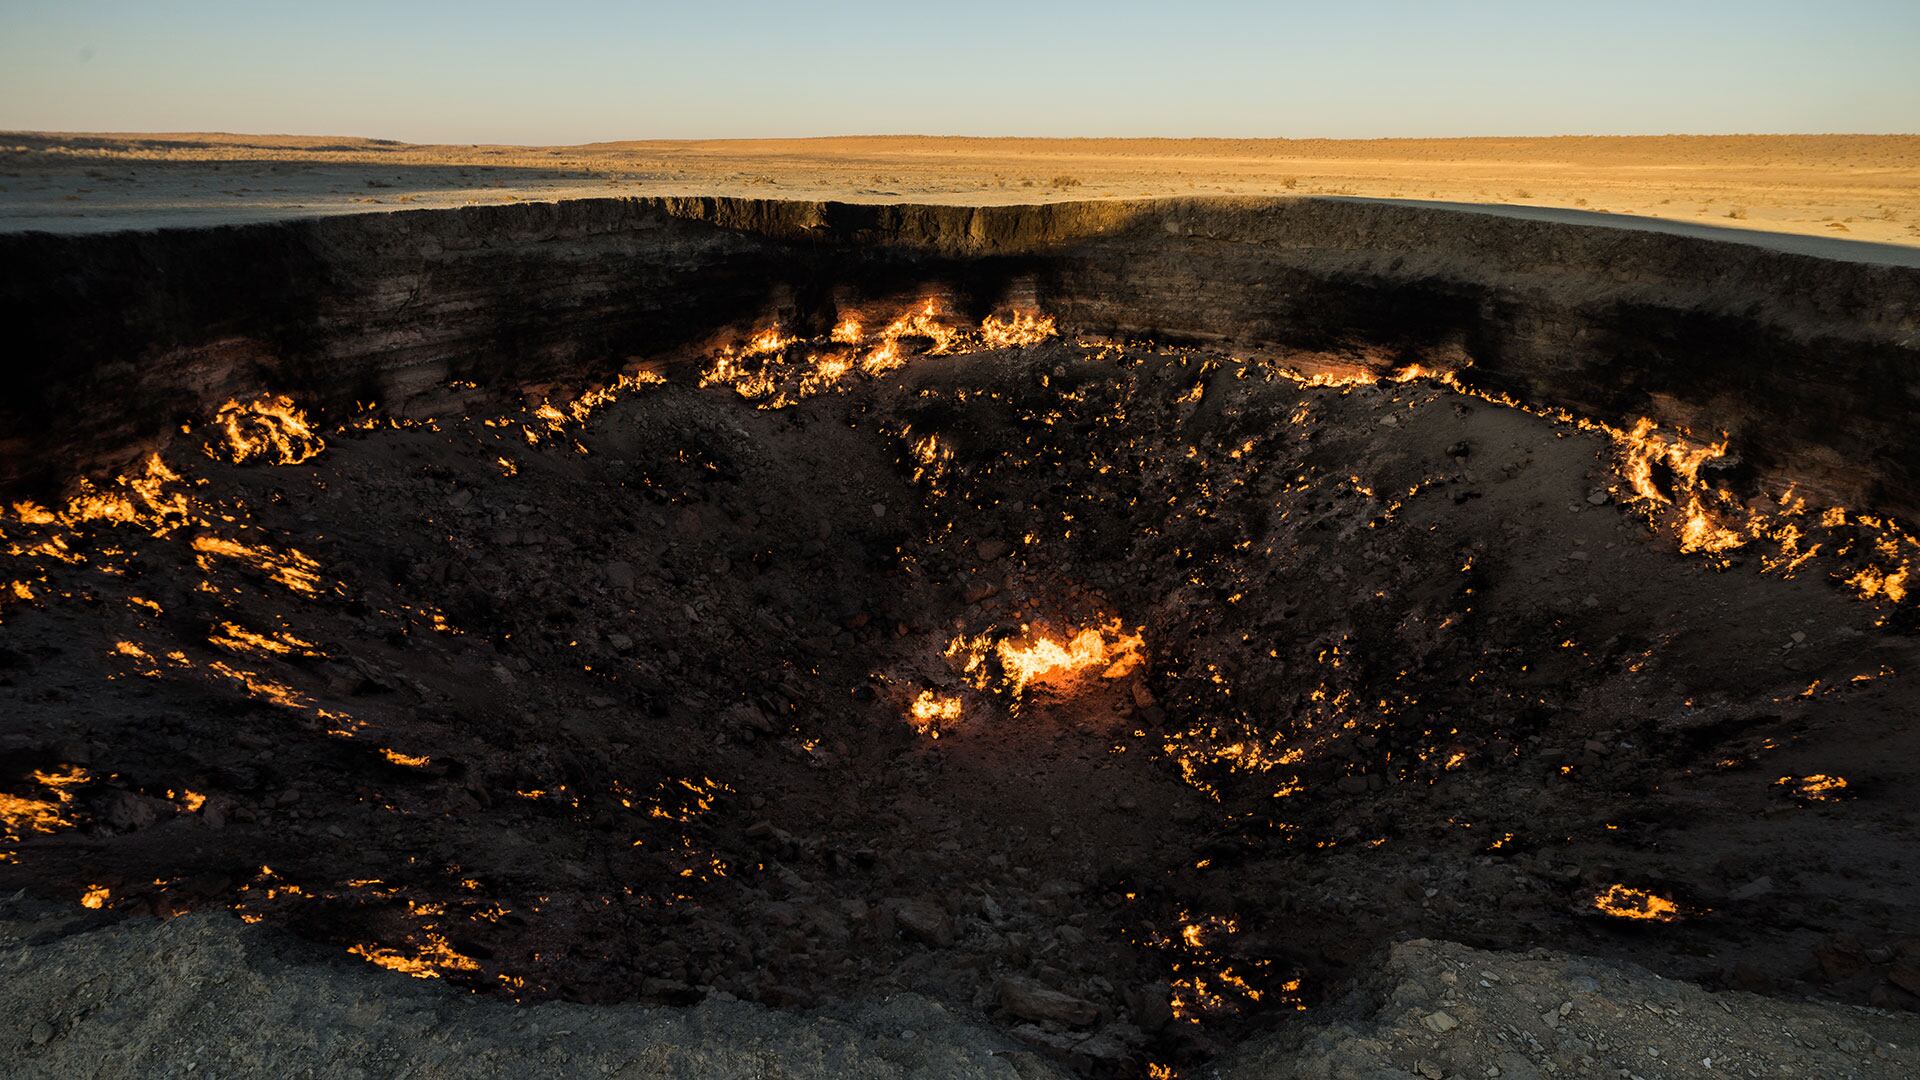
(623,715)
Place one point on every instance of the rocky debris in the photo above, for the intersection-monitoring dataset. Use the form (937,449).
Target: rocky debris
(1442,1010)
(1029,1000)
(923,921)
(207,995)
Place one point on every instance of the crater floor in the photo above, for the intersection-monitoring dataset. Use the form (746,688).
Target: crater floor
(1129,695)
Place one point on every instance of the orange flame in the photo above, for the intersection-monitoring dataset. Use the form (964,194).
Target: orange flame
(269,428)
(1626,902)
(930,710)
(1022,328)
(1816,788)
(1109,649)
(427,961)
(292,569)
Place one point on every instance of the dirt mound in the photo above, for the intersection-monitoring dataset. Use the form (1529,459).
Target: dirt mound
(208,995)
(1131,696)
(1437,1009)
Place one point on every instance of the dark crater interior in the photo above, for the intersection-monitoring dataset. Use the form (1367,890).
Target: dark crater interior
(675,694)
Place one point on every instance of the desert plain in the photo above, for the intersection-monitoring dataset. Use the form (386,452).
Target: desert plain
(1851,187)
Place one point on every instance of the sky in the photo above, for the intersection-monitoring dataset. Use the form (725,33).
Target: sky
(552,72)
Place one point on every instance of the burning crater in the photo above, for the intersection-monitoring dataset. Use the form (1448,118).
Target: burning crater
(1129,693)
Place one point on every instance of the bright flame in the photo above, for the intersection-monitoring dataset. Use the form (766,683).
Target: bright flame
(769,371)
(292,569)
(1626,902)
(923,322)
(426,962)
(20,814)
(930,710)
(1023,328)
(1872,582)
(266,429)
(95,897)
(1109,649)
(1816,788)
(239,639)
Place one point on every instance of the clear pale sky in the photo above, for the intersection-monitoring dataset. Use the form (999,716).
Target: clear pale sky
(553,72)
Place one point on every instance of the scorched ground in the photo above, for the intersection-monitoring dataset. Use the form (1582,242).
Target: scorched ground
(1127,694)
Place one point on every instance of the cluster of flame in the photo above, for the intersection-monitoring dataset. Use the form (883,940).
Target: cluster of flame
(426,959)
(1040,658)
(775,370)
(268,429)
(52,810)
(1627,902)
(1818,787)
(931,710)
(1663,474)
(555,418)
(1204,982)
(23,815)
(151,498)
(1060,663)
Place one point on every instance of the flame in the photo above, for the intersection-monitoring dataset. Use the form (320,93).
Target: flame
(1023,328)
(1642,449)
(769,371)
(292,569)
(21,814)
(269,428)
(1818,787)
(770,340)
(930,710)
(1626,902)
(261,688)
(1873,581)
(95,897)
(923,322)
(582,408)
(969,655)
(884,358)
(140,498)
(409,761)
(236,638)
(1663,475)
(1048,661)
(427,961)
(1206,980)
(930,455)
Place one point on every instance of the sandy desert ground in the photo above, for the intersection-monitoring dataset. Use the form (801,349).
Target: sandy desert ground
(1856,187)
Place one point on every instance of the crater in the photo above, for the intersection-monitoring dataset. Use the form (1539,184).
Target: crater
(931,628)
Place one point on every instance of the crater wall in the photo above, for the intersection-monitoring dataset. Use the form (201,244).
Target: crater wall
(1812,366)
